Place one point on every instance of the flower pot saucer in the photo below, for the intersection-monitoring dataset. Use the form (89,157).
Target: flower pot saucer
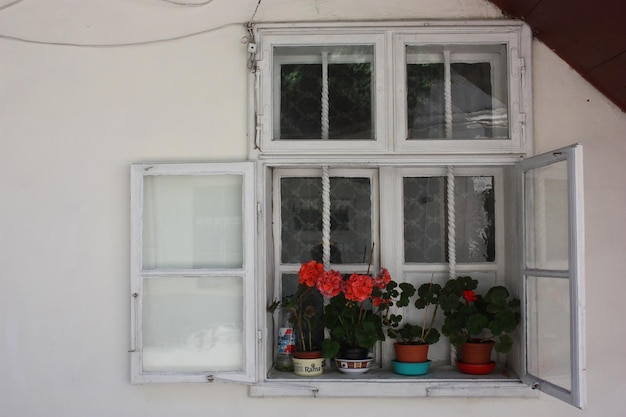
(411,368)
(476,368)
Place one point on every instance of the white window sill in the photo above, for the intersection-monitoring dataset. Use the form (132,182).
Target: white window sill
(442,381)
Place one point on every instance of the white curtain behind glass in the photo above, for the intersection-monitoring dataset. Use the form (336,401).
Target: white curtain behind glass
(192,222)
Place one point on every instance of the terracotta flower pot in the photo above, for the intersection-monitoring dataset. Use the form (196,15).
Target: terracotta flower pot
(408,352)
(476,352)
(313,354)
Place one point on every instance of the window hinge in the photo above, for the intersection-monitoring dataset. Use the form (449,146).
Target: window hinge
(259,335)
(522,122)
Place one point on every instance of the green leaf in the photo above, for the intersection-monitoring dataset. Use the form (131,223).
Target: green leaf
(476,323)
(330,348)
(504,344)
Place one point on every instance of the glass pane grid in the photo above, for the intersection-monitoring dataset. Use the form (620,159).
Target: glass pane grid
(193,222)
(548,324)
(547,217)
(193,324)
(325,92)
(457,92)
(426,219)
(350,219)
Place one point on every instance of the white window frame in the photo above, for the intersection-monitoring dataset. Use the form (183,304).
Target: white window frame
(396,152)
(576,394)
(517,41)
(139,275)
(268,86)
(390,40)
(444,381)
(389,155)
(441,382)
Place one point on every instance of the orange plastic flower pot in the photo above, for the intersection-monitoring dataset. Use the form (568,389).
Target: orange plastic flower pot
(406,352)
(476,352)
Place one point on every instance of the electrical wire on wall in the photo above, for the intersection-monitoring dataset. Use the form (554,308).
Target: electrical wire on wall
(189,3)
(252,66)
(13,3)
(249,40)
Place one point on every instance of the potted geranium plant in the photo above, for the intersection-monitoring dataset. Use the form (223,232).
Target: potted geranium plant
(354,327)
(474,321)
(412,340)
(314,283)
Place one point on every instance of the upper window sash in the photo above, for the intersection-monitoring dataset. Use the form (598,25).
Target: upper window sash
(327,60)
(506,50)
(504,46)
(192,272)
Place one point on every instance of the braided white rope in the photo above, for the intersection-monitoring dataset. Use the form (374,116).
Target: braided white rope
(447,93)
(325,103)
(451,225)
(325,218)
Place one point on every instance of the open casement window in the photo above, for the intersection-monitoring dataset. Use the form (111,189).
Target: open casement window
(192,272)
(406,209)
(553,268)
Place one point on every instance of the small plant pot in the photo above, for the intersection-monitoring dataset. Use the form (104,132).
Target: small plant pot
(312,354)
(353,353)
(476,352)
(353,366)
(411,352)
(308,367)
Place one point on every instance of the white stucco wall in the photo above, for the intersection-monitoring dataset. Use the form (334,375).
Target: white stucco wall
(72,119)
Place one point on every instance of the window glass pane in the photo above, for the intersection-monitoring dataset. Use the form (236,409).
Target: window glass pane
(350,219)
(193,222)
(426,108)
(472,103)
(547,217)
(548,317)
(303,99)
(193,324)
(475,219)
(424,219)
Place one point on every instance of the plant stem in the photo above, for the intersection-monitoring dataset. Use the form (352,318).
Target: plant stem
(369,263)
(424,332)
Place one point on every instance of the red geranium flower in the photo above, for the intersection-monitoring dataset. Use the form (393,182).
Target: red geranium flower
(359,287)
(330,283)
(310,273)
(469,296)
(382,279)
(377,301)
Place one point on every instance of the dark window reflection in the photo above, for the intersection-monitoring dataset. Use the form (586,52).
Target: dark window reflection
(350,219)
